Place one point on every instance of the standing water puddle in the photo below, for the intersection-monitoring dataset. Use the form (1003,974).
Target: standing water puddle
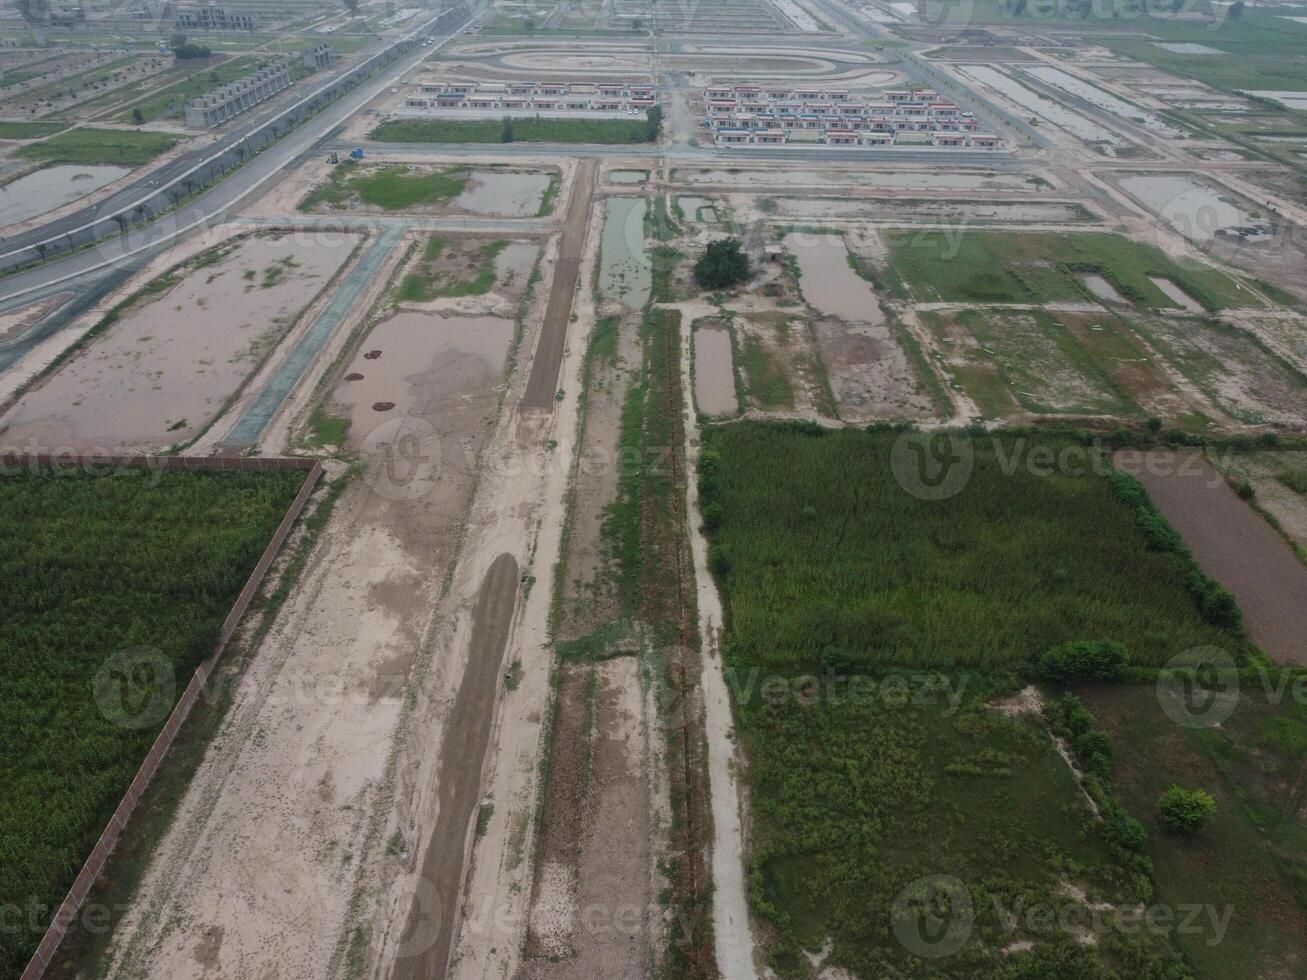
(514,263)
(1177,295)
(411,361)
(628,176)
(714,375)
(1101,99)
(1101,288)
(501,194)
(160,374)
(51,188)
(700,209)
(1192,208)
(624,270)
(829,284)
(1054,112)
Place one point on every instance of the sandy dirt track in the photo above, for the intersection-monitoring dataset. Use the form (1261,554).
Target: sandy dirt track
(432,923)
(543,381)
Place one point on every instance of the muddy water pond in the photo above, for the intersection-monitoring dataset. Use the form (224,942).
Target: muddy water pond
(1195,209)
(1177,295)
(1074,123)
(625,273)
(714,375)
(628,176)
(50,188)
(160,374)
(412,362)
(503,194)
(1234,545)
(1102,99)
(513,266)
(829,284)
(701,209)
(1102,289)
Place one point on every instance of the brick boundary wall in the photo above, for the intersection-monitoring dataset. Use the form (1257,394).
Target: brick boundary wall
(99,856)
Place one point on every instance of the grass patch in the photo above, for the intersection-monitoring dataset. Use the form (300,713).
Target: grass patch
(527,129)
(768,384)
(1007,267)
(94,565)
(449,268)
(28,130)
(124,148)
(398,188)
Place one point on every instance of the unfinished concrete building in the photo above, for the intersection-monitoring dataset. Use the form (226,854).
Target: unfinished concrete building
(233,99)
(212,17)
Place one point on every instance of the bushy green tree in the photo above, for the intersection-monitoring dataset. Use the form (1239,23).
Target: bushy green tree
(723,264)
(1184,811)
(1084,660)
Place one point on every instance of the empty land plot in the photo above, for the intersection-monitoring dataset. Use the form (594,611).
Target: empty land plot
(128,148)
(1042,363)
(1001,267)
(525,129)
(830,570)
(1233,368)
(139,564)
(448,268)
(397,188)
(1278,479)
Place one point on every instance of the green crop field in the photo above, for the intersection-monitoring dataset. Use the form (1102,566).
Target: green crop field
(1007,267)
(93,566)
(90,147)
(396,188)
(831,570)
(531,129)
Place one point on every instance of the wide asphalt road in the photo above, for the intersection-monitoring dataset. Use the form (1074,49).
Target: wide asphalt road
(213,205)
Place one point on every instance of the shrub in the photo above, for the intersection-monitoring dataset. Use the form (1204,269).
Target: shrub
(1093,749)
(723,264)
(1100,660)
(1184,811)
(1124,830)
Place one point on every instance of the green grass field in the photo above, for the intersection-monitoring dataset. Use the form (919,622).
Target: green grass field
(533,129)
(1009,267)
(95,565)
(830,569)
(1252,859)
(28,130)
(828,549)
(397,188)
(124,148)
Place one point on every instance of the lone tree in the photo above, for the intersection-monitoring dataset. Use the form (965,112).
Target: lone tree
(653,124)
(1184,811)
(506,134)
(723,264)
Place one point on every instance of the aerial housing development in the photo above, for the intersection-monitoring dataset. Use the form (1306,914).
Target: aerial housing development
(740,490)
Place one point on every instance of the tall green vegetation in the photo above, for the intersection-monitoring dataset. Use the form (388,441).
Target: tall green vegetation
(521,129)
(396,188)
(91,147)
(866,773)
(92,566)
(722,264)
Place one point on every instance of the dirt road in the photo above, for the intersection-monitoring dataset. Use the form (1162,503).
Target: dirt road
(542,384)
(428,935)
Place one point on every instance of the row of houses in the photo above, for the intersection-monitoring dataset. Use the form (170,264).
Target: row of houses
(236,97)
(741,136)
(534,96)
(752,114)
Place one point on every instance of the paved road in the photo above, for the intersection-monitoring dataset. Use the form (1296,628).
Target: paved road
(215,205)
(542,385)
(428,935)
